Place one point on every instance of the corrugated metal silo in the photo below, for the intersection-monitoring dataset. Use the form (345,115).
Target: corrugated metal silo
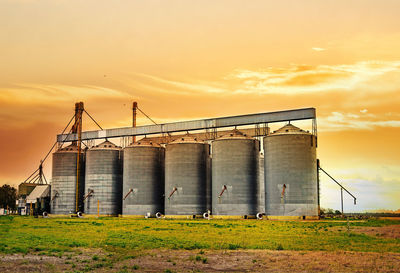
(235,175)
(186,177)
(290,173)
(103,180)
(143,178)
(63,183)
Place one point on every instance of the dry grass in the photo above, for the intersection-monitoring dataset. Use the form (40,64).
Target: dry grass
(392,231)
(216,261)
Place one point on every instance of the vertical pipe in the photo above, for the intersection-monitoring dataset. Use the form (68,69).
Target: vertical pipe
(74,127)
(75,130)
(78,126)
(41,172)
(98,208)
(318,189)
(341,195)
(134,109)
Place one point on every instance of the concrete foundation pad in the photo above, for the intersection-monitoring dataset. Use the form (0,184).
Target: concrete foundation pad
(133,216)
(288,218)
(233,217)
(182,216)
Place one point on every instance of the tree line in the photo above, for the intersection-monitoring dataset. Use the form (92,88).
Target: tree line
(8,197)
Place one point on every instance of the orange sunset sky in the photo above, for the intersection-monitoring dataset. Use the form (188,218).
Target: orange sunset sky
(186,60)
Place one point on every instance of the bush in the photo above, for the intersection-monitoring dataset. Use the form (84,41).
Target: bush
(233,246)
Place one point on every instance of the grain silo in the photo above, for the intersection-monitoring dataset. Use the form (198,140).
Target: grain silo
(235,175)
(143,178)
(63,185)
(186,177)
(290,173)
(103,179)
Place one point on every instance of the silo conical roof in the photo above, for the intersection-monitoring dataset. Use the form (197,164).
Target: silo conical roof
(144,142)
(70,148)
(234,134)
(186,139)
(106,145)
(289,129)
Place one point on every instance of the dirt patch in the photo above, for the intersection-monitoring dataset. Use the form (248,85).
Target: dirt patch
(266,261)
(392,231)
(389,218)
(68,261)
(211,261)
(31,263)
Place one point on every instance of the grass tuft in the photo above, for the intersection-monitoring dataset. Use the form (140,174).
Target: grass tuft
(279,247)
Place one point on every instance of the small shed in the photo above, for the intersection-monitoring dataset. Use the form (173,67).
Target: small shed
(40,191)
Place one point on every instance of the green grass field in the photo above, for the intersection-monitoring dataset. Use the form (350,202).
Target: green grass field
(120,236)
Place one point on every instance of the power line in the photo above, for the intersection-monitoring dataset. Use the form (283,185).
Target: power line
(147,116)
(52,147)
(92,119)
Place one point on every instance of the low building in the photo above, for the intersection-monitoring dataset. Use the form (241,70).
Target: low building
(38,201)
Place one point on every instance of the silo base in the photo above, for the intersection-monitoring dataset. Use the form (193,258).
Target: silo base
(100,215)
(290,218)
(140,209)
(58,215)
(83,215)
(133,216)
(233,217)
(183,216)
(292,209)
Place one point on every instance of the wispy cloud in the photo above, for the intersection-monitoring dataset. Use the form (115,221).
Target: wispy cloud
(26,104)
(369,76)
(299,79)
(295,79)
(355,79)
(184,87)
(318,49)
(41,93)
(338,121)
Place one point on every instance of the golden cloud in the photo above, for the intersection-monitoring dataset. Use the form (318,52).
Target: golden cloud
(307,79)
(338,121)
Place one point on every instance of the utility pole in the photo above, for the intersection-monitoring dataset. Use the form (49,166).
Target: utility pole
(134,109)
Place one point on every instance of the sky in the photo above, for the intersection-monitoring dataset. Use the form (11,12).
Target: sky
(185,60)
